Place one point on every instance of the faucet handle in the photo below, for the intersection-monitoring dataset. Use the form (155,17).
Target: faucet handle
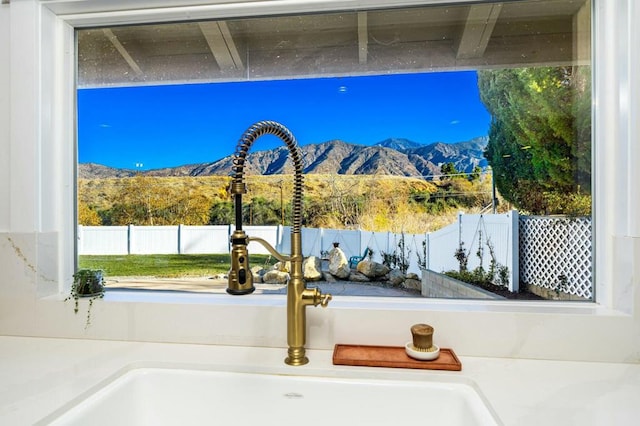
(313,296)
(326,298)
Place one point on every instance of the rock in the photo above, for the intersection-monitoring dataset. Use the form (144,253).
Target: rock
(358,277)
(328,277)
(412,276)
(312,269)
(338,263)
(282,266)
(412,284)
(372,269)
(258,272)
(395,277)
(275,277)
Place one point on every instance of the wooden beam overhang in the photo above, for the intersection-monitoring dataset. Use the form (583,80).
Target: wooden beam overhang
(221,44)
(363,37)
(477,31)
(123,51)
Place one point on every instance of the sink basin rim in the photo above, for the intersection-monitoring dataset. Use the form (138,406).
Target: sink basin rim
(352,375)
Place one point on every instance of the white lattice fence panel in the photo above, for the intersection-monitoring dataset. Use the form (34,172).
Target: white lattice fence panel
(556,251)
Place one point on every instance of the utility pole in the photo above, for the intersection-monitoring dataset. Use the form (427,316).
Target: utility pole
(493,191)
(281,204)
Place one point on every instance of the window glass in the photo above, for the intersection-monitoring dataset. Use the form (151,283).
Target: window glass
(432,137)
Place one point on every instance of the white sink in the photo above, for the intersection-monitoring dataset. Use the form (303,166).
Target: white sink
(164,396)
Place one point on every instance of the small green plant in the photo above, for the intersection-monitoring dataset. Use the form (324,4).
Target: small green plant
(390,260)
(87,283)
(422,257)
(480,252)
(562,285)
(502,278)
(497,277)
(398,259)
(462,257)
(405,253)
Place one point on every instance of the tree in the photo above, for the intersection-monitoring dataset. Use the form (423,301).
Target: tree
(260,211)
(448,171)
(343,203)
(88,216)
(222,213)
(188,208)
(475,174)
(144,200)
(539,138)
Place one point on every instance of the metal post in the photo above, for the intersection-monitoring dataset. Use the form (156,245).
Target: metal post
(493,191)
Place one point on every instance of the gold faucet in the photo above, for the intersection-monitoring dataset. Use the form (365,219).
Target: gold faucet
(299,296)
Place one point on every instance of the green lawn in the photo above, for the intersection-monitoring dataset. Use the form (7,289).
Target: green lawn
(164,265)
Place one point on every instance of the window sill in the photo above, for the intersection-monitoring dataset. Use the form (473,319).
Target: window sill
(364,303)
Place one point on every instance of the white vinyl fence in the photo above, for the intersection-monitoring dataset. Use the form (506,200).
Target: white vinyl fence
(180,239)
(481,238)
(435,250)
(552,251)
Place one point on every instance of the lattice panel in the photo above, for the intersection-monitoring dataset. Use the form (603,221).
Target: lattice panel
(555,248)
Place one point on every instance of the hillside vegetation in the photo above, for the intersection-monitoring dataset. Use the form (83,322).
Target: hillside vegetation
(371,202)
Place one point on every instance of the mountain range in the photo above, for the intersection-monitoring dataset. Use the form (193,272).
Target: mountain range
(393,156)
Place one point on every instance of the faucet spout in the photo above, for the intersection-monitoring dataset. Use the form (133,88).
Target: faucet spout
(240,277)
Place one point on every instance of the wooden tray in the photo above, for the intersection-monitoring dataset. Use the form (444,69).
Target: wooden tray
(392,356)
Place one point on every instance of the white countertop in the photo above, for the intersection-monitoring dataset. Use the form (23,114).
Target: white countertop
(38,375)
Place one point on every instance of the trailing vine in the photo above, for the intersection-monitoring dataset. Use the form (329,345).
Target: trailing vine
(87,283)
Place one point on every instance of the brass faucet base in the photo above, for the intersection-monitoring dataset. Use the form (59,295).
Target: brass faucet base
(296,357)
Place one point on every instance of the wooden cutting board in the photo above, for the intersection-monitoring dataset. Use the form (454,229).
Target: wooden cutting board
(392,356)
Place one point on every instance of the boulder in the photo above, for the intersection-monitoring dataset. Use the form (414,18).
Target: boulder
(275,277)
(338,263)
(257,272)
(372,269)
(412,276)
(312,269)
(358,277)
(412,284)
(282,266)
(395,277)
(328,277)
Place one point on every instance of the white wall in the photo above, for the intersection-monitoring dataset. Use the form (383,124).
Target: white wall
(36,220)
(5,114)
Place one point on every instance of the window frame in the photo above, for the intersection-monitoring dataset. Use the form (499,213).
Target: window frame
(220,11)
(49,44)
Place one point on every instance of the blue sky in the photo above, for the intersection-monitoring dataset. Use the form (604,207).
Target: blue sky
(149,127)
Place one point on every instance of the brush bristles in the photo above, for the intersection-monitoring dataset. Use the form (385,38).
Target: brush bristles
(431,349)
